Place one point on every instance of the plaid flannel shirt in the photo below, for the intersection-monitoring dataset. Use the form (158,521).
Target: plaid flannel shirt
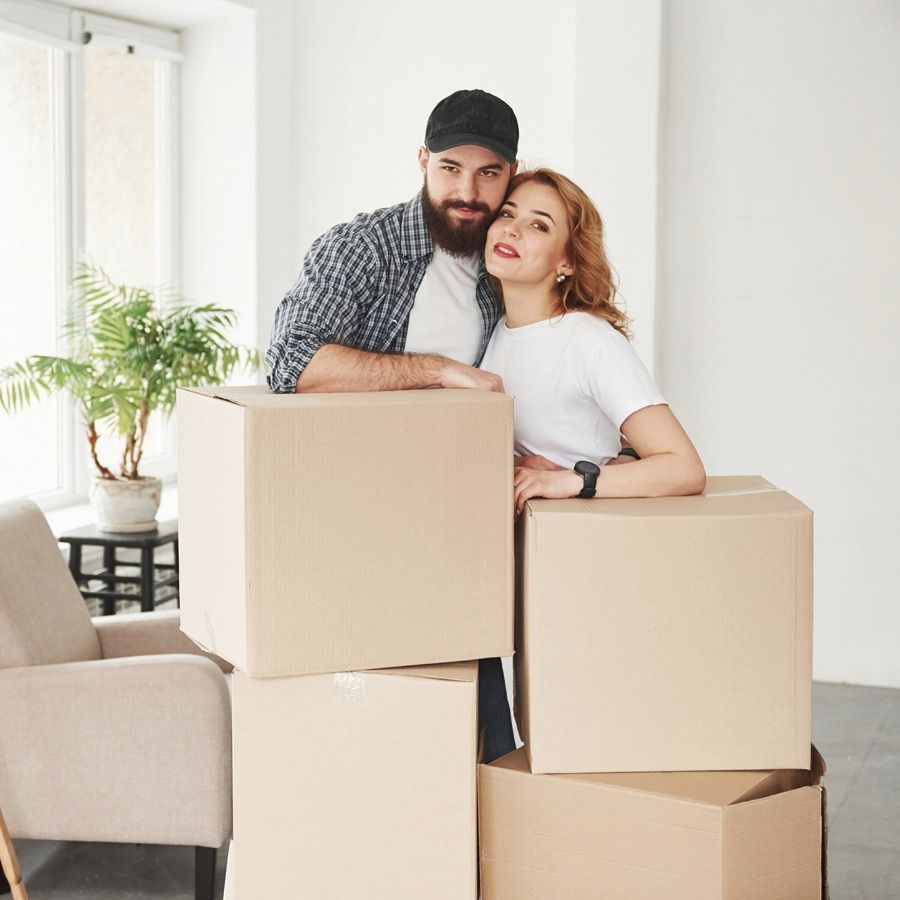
(357,288)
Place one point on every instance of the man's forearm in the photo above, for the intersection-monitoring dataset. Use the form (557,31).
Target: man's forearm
(338,368)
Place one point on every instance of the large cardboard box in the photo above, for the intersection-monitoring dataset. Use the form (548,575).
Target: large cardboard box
(666,634)
(672,835)
(356,785)
(331,532)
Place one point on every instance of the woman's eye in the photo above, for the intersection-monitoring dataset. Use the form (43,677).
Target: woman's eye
(540,226)
(505,214)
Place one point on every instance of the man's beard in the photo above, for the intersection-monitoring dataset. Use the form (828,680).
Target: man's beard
(457,236)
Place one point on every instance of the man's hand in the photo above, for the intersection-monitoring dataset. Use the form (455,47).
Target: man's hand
(552,485)
(458,375)
(536,462)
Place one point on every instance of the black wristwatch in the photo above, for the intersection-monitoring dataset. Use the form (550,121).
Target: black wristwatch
(590,472)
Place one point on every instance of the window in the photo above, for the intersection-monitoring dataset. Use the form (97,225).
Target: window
(88,170)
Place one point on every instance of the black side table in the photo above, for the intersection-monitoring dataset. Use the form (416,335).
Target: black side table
(152,575)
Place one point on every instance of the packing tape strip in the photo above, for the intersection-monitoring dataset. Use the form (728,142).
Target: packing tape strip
(348,686)
(739,493)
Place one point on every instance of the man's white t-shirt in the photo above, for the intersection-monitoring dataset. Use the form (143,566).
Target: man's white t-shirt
(445,317)
(575,380)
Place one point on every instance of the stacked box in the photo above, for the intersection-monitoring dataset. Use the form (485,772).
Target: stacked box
(666,643)
(333,532)
(643,836)
(367,790)
(666,634)
(324,538)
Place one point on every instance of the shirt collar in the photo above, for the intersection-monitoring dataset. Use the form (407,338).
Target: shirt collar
(415,239)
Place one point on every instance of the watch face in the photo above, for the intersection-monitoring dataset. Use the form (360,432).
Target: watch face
(583,467)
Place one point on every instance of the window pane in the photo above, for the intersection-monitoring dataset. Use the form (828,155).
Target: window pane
(120,164)
(120,184)
(28,441)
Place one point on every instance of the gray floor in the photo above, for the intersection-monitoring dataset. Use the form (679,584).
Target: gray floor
(856,729)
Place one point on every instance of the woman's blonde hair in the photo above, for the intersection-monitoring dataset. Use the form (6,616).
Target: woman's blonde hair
(592,286)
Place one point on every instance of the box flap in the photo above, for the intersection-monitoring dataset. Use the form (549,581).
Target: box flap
(459,671)
(772,847)
(725,495)
(258,396)
(710,788)
(818,766)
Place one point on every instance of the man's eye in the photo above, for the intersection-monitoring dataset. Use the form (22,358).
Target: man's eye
(489,173)
(449,168)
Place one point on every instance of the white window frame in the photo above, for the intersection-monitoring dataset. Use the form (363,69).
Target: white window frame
(63,31)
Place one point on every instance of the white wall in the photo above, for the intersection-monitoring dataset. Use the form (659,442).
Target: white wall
(218,164)
(616,144)
(368,75)
(779,326)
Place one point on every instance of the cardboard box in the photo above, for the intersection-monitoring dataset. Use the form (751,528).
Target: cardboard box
(357,784)
(672,835)
(331,532)
(666,634)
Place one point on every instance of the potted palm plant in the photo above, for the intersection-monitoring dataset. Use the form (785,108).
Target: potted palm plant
(128,355)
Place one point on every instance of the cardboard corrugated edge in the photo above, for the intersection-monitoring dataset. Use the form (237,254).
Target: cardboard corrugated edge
(766,794)
(210,644)
(818,777)
(523,534)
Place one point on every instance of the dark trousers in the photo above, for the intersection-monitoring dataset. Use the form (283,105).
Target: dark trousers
(494,720)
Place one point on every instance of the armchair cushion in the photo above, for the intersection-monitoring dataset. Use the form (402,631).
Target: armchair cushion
(43,617)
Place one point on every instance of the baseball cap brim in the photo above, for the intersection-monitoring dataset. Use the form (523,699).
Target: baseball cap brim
(446,141)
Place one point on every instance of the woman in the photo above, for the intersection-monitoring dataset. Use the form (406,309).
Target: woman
(562,351)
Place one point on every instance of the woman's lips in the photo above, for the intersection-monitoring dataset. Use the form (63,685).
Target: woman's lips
(505,251)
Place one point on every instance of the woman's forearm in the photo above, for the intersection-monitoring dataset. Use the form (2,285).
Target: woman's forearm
(667,474)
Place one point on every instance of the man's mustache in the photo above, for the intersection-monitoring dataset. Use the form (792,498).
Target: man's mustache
(462,204)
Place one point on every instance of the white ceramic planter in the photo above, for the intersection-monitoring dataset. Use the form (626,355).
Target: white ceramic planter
(124,505)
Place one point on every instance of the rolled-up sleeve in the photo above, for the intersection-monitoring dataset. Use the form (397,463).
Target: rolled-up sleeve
(322,307)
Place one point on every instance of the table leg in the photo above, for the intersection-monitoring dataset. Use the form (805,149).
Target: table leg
(75,562)
(109,564)
(147,580)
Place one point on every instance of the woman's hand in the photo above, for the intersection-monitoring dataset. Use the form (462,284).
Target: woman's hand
(551,484)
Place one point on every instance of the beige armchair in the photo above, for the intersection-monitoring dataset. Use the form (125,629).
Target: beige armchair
(114,729)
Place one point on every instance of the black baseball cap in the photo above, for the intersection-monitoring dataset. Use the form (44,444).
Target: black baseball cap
(473,117)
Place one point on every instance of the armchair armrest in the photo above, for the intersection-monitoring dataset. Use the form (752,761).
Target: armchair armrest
(144,634)
(125,750)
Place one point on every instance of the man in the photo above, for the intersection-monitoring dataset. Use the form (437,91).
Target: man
(400,298)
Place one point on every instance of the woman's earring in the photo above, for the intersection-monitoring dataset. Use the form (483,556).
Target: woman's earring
(560,278)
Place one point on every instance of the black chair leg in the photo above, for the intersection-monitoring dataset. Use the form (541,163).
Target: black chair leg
(4,884)
(204,872)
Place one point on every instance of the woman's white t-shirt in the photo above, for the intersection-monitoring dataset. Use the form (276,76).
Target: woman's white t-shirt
(575,380)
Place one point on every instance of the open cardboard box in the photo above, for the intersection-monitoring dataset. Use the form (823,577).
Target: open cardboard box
(652,836)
